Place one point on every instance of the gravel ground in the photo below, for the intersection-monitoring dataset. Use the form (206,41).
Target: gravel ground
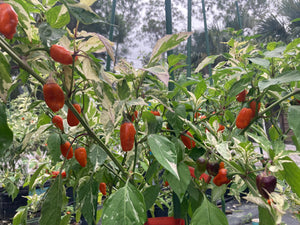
(241,214)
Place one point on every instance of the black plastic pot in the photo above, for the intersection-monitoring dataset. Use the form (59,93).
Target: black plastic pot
(158,212)
(7,206)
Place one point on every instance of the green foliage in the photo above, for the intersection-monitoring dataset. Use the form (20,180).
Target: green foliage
(180,185)
(208,213)
(58,16)
(87,196)
(291,174)
(294,123)
(82,13)
(165,152)
(51,210)
(97,156)
(21,216)
(150,195)
(126,206)
(6,135)
(167,43)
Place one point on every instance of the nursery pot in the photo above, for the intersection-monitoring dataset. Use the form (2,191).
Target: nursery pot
(164,221)
(8,207)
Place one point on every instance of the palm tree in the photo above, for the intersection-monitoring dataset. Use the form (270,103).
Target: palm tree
(272,29)
(291,10)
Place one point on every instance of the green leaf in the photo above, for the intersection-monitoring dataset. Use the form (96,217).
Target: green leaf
(87,197)
(200,88)
(34,104)
(58,16)
(180,185)
(165,152)
(208,214)
(53,144)
(276,53)
(150,194)
(123,89)
(4,69)
(261,140)
(6,135)
(271,46)
(65,220)
(35,175)
(152,170)
(20,217)
(174,59)
(223,149)
(11,189)
(52,206)
(108,46)
(154,123)
(239,86)
(43,119)
(99,215)
(167,43)
(161,71)
(292,46)
(205,62)
(97,156)
(283,78)
(265,216)
(218,192)
(259,61)
(293,120)
(273,133)
(295,20)
(126,206)
(291,174)
(173,119)
(49,34)
(83,13)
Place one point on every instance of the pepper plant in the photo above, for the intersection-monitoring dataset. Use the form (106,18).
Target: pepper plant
(150,145)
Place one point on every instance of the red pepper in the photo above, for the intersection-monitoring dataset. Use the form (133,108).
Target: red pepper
(241,97)
(244,118)
(8,20)
(204,176)
(188,142)
(102,188)
(221,177)
(61,54)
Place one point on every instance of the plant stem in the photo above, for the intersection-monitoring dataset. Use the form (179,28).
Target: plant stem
(111,170)
(94,136)
(135,157)
(223,204)
(279,101)
(5,46)
(36,49)
(271,106)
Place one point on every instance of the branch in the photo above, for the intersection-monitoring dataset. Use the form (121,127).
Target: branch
(5,46)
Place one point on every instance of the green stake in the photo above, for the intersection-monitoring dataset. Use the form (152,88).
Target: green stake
(189,42)
(206,40)
(168,10)
(111,31)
